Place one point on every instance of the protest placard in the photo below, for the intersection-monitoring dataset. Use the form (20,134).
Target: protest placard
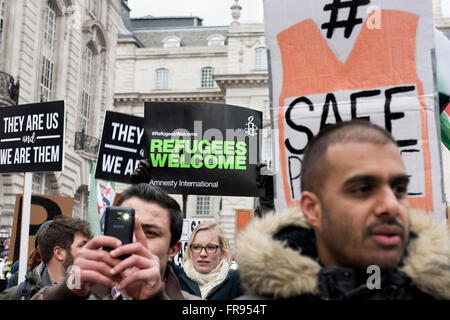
(121,147)
(337,60)
(32,137)
(43,208)
(203,148)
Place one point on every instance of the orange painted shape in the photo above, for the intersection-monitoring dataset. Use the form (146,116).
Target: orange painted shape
(380,58)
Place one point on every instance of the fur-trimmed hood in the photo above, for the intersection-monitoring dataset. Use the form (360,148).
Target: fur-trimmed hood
(276,265)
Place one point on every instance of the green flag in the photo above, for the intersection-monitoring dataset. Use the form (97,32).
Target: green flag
(443,79)
(445,127)
(93,215)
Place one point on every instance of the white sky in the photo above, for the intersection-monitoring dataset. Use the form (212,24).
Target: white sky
(213,12)
(445,8)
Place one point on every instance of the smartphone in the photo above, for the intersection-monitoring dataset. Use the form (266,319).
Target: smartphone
(119,223)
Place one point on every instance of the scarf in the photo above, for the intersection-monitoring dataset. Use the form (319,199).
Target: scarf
(207,281)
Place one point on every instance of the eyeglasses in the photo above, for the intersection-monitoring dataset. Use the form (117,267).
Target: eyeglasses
(210,248)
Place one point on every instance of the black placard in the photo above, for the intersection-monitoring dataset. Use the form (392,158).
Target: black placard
(203,148)
(32,137)
(121,148)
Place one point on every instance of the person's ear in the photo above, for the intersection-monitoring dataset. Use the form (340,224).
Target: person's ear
(310,205)
(59,253)
(173,250)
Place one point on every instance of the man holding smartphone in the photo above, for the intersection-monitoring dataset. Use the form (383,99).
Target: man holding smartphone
(145,274)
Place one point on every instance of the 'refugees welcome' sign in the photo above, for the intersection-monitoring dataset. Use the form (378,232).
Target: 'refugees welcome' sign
(203,148)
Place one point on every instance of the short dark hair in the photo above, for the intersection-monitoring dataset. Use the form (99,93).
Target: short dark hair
(156,195)
(313,164)
(61,232)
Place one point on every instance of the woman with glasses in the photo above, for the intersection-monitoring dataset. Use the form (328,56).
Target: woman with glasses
(206,265)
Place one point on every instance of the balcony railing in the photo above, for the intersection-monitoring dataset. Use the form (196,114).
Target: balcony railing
(86,143)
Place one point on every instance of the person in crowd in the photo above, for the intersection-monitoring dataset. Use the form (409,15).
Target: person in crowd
(206,268)
(146,273)
(206,265)
(355,235)
(58,241)
(33,260)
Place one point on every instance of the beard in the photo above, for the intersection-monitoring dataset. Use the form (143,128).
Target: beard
(68,261)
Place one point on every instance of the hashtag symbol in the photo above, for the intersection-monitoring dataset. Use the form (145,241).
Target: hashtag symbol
(351,21)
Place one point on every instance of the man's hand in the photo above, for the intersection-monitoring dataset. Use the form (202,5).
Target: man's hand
(142,172)
(141,272)
(94,265)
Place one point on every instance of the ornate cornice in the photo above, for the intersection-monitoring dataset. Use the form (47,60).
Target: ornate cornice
(241,80)
(133,97)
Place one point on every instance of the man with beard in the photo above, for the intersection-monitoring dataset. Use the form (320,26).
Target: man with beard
(59,242)
(355,235)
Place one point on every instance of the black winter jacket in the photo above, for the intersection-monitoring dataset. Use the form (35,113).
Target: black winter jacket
(228,289)
(277,258)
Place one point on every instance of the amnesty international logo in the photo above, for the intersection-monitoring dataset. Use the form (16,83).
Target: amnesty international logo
(251,129)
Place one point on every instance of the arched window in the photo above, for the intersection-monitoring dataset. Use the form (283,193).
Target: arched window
(162,78)
(260,59)
(216,40)
(48,52)
(172,42)
(207,77)
(92,76)
(88,88)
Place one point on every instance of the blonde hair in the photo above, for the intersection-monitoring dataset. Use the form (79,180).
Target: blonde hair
(209,225)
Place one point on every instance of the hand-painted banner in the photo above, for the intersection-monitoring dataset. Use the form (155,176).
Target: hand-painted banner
(121,148)
(203,148)
(335,60)
(32,137)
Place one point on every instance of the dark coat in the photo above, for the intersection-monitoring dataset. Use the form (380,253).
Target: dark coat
(228,289)
(277,257)
(35,280)
(170,291)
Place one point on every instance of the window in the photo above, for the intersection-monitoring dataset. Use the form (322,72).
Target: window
(216,40)
(203,205)
(80,204)
(48,52)
(266,110)
(86,98)
(94,7)
(172,42)
(162,79)
(77,204)
(40,184)
(2,21)
(207,77)
(36,183)
(260,59)
(268,151)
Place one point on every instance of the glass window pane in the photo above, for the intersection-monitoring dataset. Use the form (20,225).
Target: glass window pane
(207,77)
(88,84)
(36,183)
(162,79)
(203,205)
(260,59)
(48,52)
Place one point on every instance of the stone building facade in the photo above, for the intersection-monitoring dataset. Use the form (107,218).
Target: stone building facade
(178,59)
(59,50)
